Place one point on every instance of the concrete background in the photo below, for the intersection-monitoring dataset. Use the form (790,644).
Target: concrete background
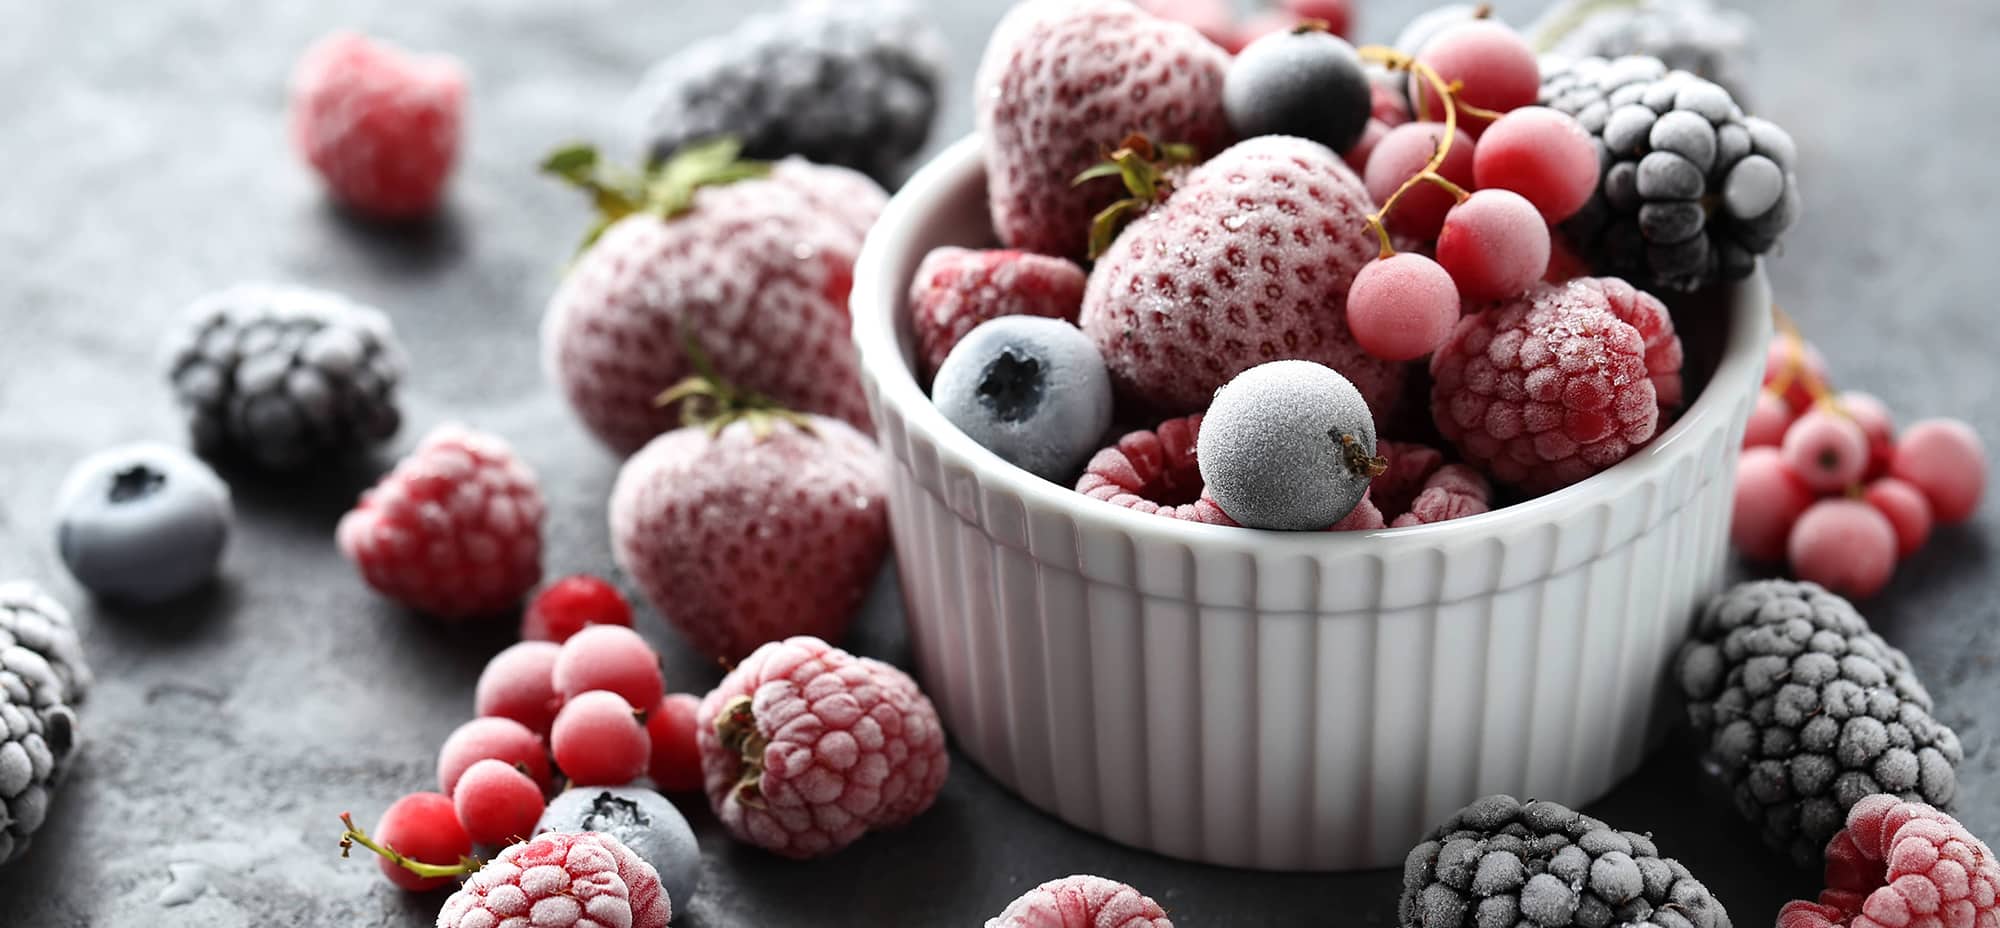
(145,163)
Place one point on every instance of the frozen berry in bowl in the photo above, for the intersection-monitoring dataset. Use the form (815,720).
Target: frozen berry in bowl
(379,124)
(1404,153)
(1541,154)
(1288,445)
(640,819)
(1032,390)
(1494,67)
(142,523)
(957,289)
(566,606)
(1154,471)
(1305,82)
(1494,244)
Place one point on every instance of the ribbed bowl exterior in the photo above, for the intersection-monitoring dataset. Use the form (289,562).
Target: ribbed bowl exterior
(1286,701)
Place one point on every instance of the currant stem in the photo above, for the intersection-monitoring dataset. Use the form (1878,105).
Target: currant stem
(1448,96)
(354,835)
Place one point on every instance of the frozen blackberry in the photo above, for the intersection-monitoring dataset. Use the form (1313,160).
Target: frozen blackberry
(1502,863)
(1697,36)
(852,84)
(41,671)
(1692,190)
(286,375)
(30,619)
(1803,711)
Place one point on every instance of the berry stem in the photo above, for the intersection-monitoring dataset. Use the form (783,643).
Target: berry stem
(711,402)
(736,727)
(1448,96)
(354,835)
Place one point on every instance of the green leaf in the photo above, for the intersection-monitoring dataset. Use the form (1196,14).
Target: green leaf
(575,162)
(1105,226)
(1096,171)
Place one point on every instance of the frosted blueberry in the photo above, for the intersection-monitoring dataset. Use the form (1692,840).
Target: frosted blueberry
(1032,390)
(642,820)
(1288,445)
(1307,83)
(142,523)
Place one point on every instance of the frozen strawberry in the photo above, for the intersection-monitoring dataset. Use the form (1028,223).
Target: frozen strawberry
(956,289)
(379,124)
(749,262)
(1248,261)
(1063,83)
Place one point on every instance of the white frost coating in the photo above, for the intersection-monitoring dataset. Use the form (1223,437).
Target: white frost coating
(1275,446)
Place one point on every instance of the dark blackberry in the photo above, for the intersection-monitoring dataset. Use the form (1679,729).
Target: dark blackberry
(1803,711)
(1697,36)
(286,375)
(854,84)
(1502,863)
(1692,190)
(41,673)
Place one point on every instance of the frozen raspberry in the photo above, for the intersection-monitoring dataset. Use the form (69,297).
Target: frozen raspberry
(1454,492)
(1410,465)
(806,747)
(1154,472)
(956,289)
(1901,863)
(1364,517)
(1082,902)
(1249,261)
(1645,312)
(455,530)
(379,124)
(564,607)
(1063,82)
(1545,390)
(583,880)
(518,684)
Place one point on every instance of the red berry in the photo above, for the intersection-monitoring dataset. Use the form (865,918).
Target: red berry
(600,741)
(1876,424)
(1082,902)
(564,607)
(1944,459)
(956,289)
(1906,864)
(1907,510)
(1826,450)
(1797,365)
(1387,105)
(561,880)
(1770,417)
(1542,155)
(676,764)
(1496,66)
(610,657)
(1402,307)
(1258,26)
(518,683)
(1454,492)
(1371,136)
(379,124)
(496,738)
(497,803)
(1401,155)
(1494,245)
(1337,14)
(1844,545)
(1768,502)
(424,828)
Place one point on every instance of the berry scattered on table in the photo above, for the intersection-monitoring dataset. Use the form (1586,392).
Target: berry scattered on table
(1945,459)
(494,738)
(454,531)
(422,827)
(1540,154)
(1769,498)
(599,740)
(640,819)
(957,289)
(747,263)
(806,748)
(1902,863)
(42,677)
(1288,445)
(519,684)
(676,763)
(1494,65)
(379,124)
(1502,861)
(1032,390)
(1402,307)
(1495,245)
(609,657)
(1877,424)
(561,881)
(142,523)
(1845,545)
(1805,711)
(496,803)
(1154,471)
(1825,449)
(285,376)
(1907,510)
(850,84)
(1305,82)
(566,606)
(1770,418)
(1082,902)
(1064,82)
(1402,154)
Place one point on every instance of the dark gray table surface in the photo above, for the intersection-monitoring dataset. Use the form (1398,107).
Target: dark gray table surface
(144,162)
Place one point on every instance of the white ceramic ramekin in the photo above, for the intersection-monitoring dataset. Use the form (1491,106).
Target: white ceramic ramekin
(1303,701)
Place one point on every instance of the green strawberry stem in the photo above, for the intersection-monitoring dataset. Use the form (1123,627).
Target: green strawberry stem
(708,401)
(736,728)
(354,835)
(665,189)
(1142,166)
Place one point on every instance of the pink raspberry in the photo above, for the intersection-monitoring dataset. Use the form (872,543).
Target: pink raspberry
(1410,465)
(455,530)
(1645,312)
(806,747)
(1364,517)
(1082,902)
(1546,389)
(379,124)
(587,880)
(1899,864)
(956,289)
(1453,492)
(1154,472)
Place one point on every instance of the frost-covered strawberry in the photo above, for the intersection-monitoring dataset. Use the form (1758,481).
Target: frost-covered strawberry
(751,262)
(1063,83)
(1248,261)
(753,524)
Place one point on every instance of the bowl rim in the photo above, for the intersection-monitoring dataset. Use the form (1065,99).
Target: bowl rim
(875,299)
